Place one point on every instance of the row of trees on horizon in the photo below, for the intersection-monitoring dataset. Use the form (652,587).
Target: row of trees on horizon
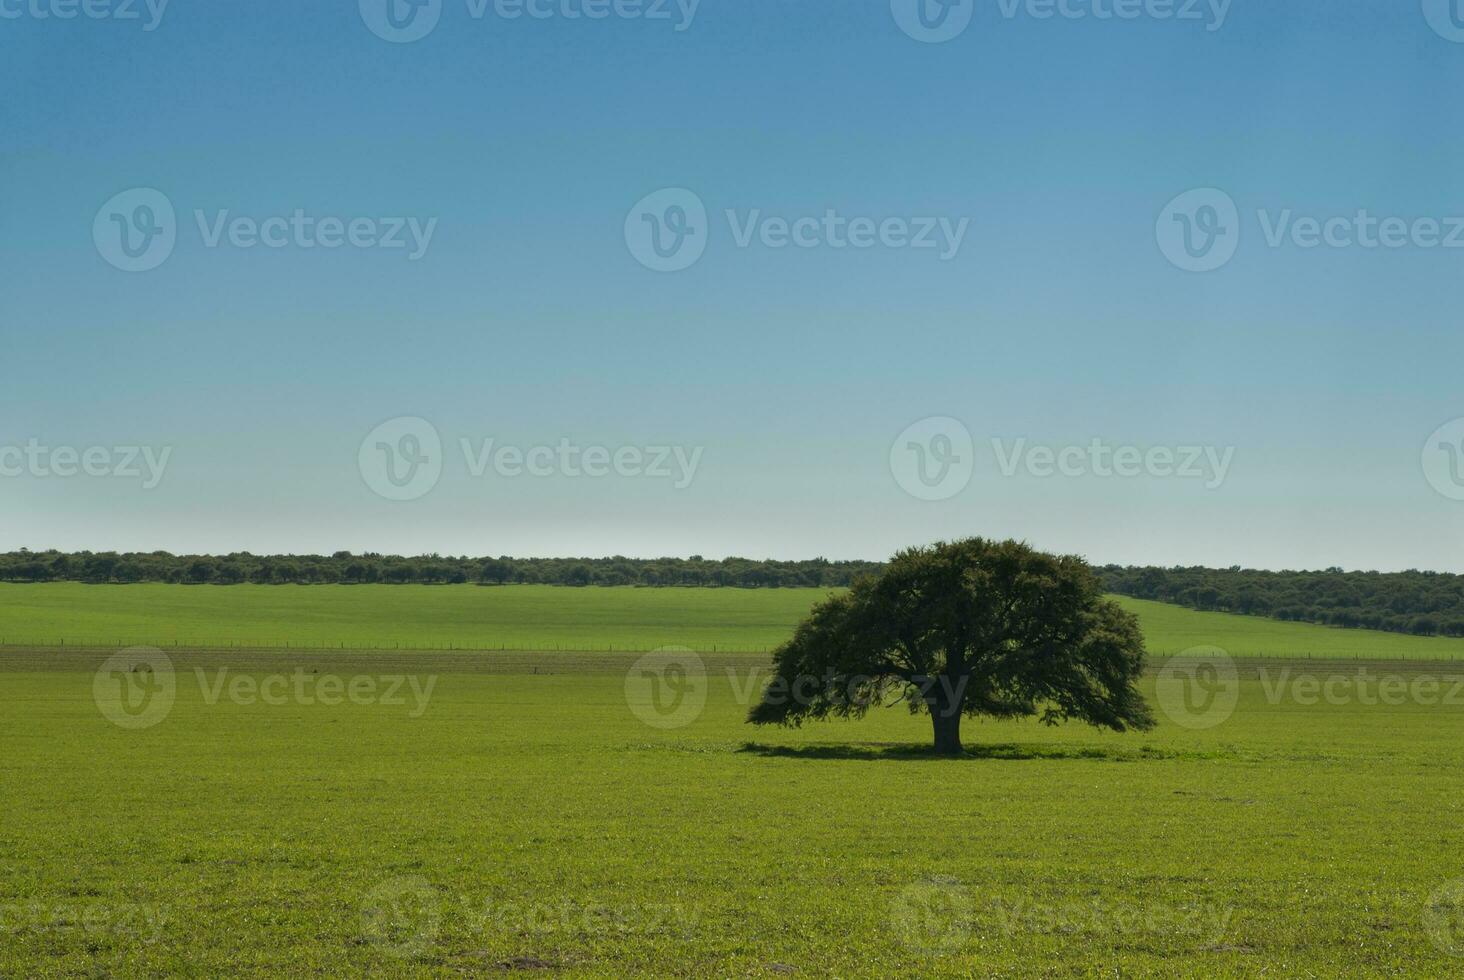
(1415,602)
(1419,603)
(345,568)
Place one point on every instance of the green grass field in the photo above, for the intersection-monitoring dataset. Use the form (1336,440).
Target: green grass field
(537,824)
(442,812)
(548,617)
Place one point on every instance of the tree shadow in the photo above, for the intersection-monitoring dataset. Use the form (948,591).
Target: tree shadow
(1010,751)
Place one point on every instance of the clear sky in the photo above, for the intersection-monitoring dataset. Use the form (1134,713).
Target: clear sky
(543,160)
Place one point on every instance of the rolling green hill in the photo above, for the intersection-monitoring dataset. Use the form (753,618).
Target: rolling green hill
(532,617)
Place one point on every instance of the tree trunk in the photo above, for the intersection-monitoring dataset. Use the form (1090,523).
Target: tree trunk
(946,720)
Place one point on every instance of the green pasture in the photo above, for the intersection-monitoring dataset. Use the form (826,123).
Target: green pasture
(538,825)
(531,617)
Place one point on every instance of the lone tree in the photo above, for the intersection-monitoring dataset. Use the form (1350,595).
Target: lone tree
(971,627)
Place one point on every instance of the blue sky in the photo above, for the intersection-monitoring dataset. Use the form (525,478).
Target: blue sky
(529,319)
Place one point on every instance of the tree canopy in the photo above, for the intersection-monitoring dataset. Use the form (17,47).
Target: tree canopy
(965,628)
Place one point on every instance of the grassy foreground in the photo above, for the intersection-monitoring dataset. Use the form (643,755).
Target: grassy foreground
(529,617)
(538,823)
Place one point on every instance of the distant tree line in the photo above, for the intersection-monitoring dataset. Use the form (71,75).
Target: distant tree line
(350,569)
(1421,603)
